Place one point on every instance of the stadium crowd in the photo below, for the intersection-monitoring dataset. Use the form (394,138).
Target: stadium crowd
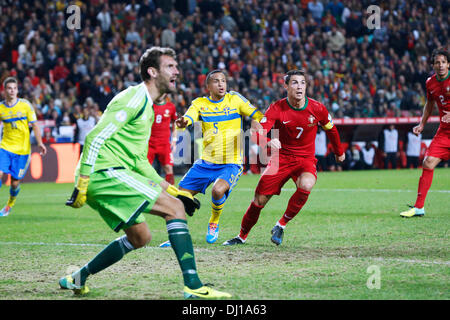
(355,71)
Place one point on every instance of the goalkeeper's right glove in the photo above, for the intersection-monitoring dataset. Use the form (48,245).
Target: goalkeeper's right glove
(190,203)
(78,197)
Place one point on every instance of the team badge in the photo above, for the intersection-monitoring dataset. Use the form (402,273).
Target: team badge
(121,116)
(151,183)
(311,120)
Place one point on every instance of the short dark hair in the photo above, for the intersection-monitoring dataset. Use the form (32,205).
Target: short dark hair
(151,59)
(9,80)
(208,76)
(296,72)
(439,52)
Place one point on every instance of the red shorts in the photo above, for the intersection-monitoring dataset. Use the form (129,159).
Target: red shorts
(440,145)
(163,153)
(277,173)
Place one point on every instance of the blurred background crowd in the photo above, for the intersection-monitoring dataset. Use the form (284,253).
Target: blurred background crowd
(354,70)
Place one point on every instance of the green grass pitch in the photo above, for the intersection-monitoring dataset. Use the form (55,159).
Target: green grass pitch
(348,242)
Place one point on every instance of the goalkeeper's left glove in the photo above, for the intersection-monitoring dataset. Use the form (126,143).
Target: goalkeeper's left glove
(190,203)
(78,197)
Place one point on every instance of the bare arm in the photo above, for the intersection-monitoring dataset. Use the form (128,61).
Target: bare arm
(37,134)
(427,110)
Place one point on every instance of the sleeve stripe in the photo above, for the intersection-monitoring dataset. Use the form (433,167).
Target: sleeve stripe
(98,141)
(189,118)
(133,103)
(234,93)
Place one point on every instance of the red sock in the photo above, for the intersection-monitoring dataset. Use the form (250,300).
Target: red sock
(296,202)
(249,219)
(424,185)
(170,179)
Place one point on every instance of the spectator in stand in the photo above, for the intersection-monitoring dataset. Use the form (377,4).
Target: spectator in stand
(336,40)
(168,37)
(289,30)
(60,72)
(316,9)
(104,18)
(48,137)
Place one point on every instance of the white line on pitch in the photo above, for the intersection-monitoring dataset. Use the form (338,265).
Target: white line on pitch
(55,195)
(202,249)
(350,190)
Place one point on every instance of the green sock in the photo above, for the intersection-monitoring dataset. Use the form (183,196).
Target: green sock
(181,243)
(107,257)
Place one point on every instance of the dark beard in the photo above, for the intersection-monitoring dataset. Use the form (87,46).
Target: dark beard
(164,87)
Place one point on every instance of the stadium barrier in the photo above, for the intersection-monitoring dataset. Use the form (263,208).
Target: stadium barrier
(58,165)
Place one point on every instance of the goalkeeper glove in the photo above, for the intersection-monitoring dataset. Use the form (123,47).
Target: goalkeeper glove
(190,203)
(78,197)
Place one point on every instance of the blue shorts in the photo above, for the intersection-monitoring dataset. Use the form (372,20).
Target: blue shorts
(203,173)
(14,164)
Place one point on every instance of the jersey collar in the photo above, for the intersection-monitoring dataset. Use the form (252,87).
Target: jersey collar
(147,93)
(215,101)
(4,102)
(302,108)
(440,80)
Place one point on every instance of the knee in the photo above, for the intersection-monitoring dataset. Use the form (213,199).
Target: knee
(15,183)
(218,192)
(307,185)
(178,211)
(260,200)
(140,240)
(428,164)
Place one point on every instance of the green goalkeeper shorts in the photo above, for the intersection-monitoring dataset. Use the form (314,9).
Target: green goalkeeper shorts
(120,196)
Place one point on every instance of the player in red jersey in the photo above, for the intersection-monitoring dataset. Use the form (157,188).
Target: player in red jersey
(296,118)
(438,91)
(159,144)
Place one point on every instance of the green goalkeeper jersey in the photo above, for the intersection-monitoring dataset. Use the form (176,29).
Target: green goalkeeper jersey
(120,138)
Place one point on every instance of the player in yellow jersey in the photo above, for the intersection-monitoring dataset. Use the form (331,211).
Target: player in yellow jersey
(16,115)
(221,162)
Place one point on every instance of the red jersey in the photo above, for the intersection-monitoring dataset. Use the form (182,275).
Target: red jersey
(164,115)
(298,127)
(439,91)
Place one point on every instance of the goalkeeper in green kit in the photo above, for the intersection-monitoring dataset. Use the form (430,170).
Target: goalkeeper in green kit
(115,178)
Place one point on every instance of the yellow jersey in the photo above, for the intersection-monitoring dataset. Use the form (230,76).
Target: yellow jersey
(222,124)
(16,131)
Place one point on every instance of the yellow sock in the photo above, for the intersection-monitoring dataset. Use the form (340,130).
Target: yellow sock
(11,201)
(216,209)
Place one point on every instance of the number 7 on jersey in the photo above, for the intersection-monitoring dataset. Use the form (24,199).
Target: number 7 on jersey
(300,132)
